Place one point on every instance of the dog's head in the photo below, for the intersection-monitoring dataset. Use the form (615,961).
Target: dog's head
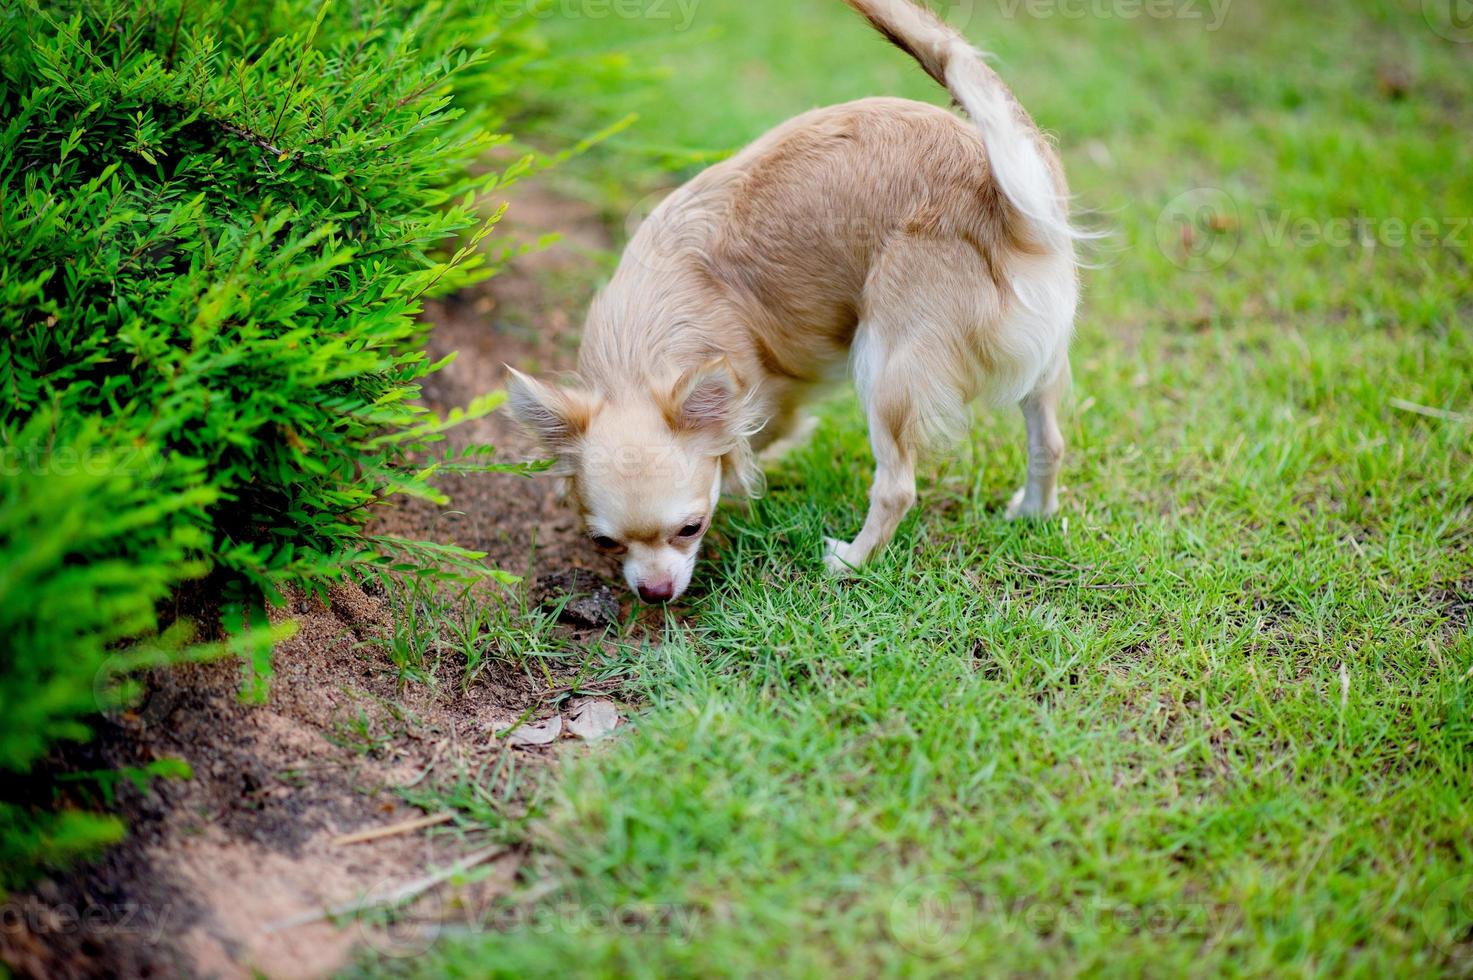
(645,467)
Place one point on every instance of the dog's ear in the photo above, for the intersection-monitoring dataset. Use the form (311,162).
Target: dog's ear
(709,401)
(706,400)
(556,416)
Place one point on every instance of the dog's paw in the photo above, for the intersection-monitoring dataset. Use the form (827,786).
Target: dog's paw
(836,559)
(1020,508)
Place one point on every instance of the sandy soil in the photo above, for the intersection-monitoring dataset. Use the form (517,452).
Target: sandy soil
(230,872)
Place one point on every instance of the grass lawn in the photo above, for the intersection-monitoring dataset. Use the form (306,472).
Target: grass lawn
(1215,718)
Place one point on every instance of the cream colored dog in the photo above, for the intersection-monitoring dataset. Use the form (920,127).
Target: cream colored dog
(932,258)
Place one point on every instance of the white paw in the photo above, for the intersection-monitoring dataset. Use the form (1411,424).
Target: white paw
(836,557)
(1021,508)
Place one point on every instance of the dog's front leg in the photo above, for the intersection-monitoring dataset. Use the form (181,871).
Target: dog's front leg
(890,499)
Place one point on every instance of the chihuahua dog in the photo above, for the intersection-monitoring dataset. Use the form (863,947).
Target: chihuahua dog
(931,257)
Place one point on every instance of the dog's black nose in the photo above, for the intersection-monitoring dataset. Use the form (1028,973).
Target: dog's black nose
(659,592)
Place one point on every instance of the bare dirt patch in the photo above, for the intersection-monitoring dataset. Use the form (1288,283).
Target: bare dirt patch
(228,873)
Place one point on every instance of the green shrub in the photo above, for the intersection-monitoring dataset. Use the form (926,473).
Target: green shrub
(217,223)
(69,594)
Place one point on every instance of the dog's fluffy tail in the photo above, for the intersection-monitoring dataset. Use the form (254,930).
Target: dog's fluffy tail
(1014,145)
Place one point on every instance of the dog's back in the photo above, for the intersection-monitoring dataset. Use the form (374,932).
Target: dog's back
(814,205)
(767,258)
(785,235)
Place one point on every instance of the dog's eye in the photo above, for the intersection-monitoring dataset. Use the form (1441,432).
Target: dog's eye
(691,530)
(605,543)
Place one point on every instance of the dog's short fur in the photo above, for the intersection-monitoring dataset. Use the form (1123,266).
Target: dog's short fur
(931,256)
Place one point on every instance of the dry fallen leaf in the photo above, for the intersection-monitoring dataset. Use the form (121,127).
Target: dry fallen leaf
(593,718)
(537,732)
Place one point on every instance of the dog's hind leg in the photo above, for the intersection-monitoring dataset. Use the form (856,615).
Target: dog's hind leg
(913,365)
(909,402)
(1039,496)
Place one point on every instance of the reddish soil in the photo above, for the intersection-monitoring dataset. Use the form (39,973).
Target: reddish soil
(227,874)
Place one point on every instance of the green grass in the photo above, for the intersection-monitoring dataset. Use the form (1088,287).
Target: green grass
(470,627)
(1217,717)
